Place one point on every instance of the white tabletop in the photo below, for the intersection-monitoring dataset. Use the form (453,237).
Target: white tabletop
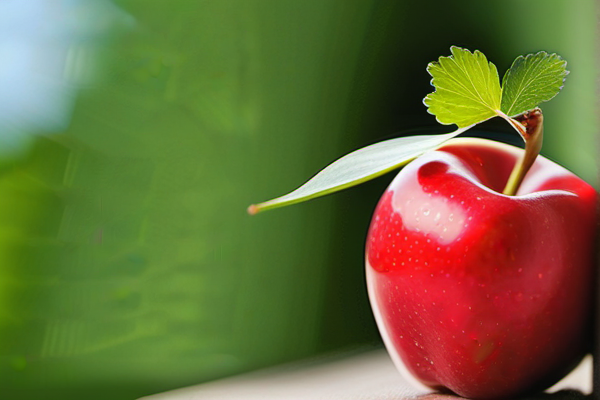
(365,376)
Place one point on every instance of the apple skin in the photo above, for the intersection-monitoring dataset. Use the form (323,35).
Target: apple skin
(479,293)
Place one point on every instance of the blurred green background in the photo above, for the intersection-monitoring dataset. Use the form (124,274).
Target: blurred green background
(128,265)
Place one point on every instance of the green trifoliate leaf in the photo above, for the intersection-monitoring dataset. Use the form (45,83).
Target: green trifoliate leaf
(467,88)
(531,80)
(360,166)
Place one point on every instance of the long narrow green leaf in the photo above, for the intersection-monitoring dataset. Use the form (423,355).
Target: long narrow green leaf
(360,166)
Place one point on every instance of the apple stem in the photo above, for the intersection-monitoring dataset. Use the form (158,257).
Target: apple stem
(530,126)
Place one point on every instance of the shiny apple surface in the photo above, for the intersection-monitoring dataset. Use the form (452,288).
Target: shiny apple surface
(479,293)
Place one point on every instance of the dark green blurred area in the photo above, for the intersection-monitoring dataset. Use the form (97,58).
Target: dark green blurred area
(128,265)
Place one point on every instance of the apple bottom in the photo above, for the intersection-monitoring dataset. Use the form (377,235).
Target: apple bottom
(487,304)
(462,365)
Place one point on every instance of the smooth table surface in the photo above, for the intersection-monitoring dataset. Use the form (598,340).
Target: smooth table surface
(365,376)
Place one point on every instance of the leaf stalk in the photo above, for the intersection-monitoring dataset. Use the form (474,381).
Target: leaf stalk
(530,126)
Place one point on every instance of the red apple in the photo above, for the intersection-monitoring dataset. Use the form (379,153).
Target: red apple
(476,292)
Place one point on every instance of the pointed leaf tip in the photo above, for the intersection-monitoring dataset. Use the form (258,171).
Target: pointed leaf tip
(360,166)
